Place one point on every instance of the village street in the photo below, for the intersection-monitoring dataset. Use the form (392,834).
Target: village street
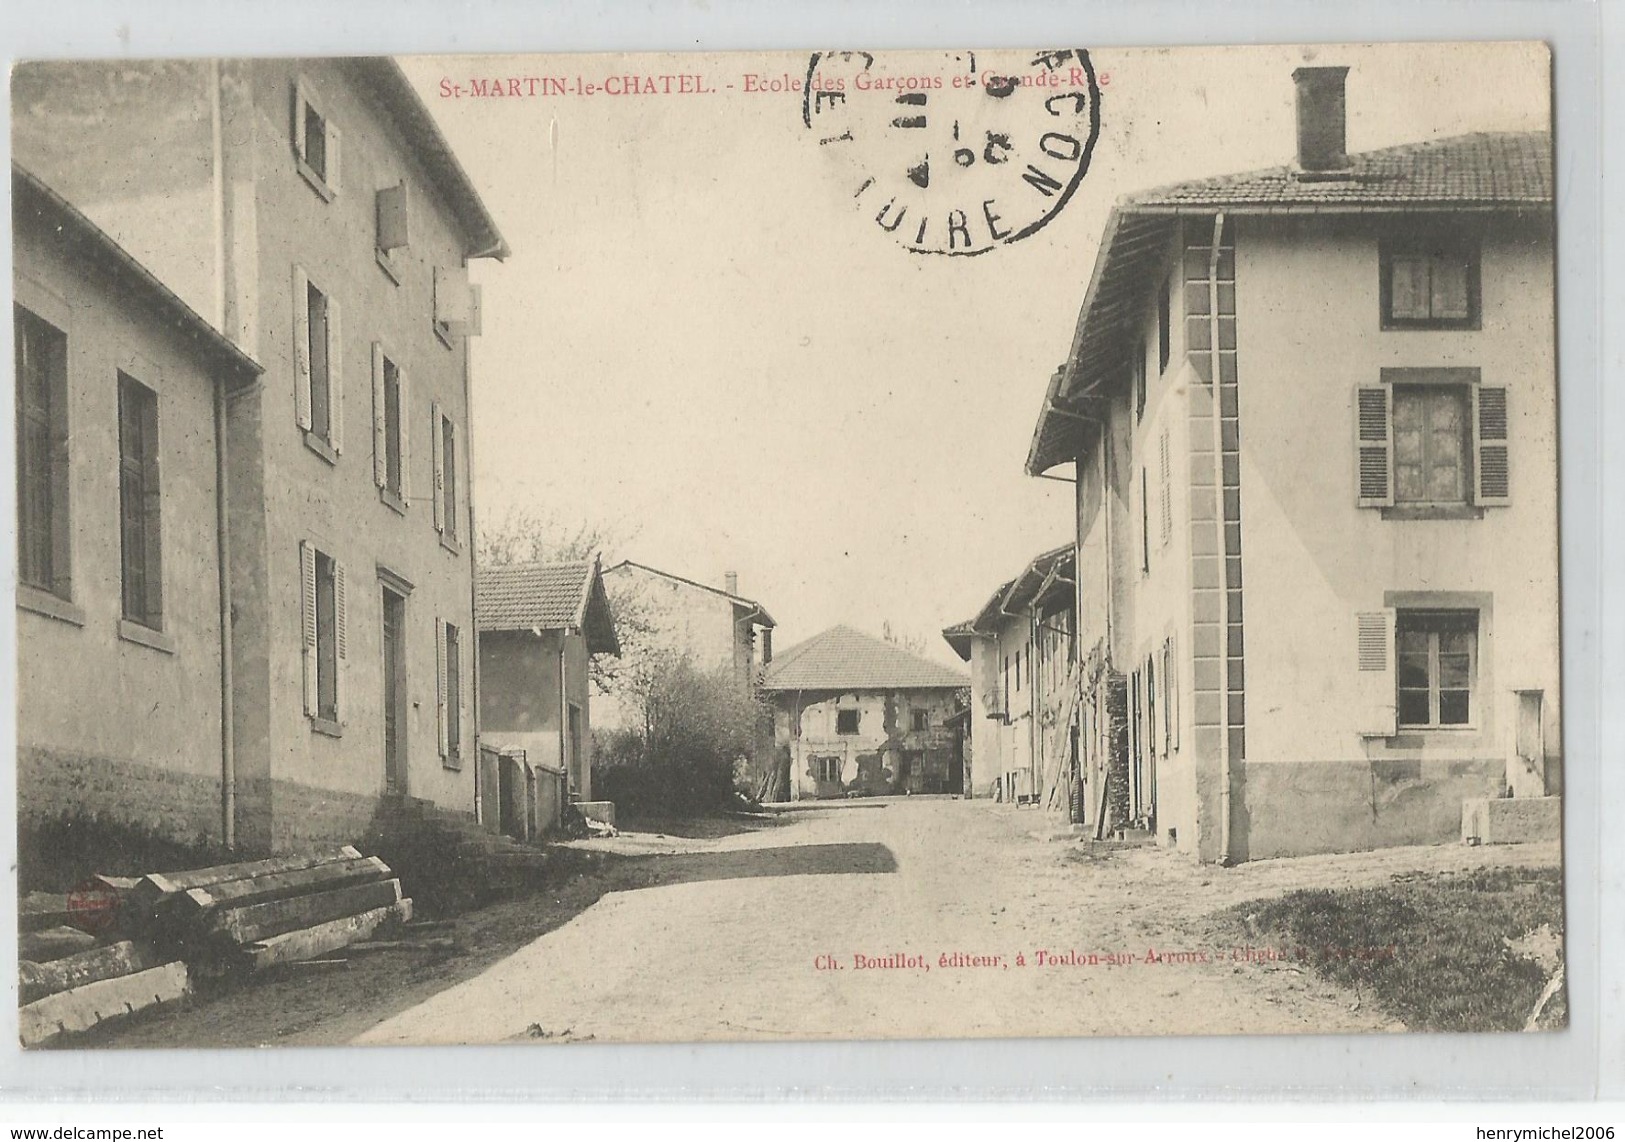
(755,935)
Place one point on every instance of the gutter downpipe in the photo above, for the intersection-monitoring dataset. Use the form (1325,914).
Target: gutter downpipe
(1226,775)
(228,729)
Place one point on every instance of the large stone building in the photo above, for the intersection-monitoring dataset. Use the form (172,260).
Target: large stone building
(314,215)
(855,715)
(1312,412)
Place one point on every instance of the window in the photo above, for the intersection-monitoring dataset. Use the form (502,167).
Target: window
(445,475)
(1165,321)
(1145,520)
(828,770)
(1166,486)
(453,299)
(449,650)
(316,143)
(326,638)
(41,351)
(140,530)
(318,361)
(390,418)
(1430,284)
(1018,669)
(919,720)
(846,721)
(1437,662)
(1432,441)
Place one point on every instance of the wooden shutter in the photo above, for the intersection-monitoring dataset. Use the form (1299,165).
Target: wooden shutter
(335,155)
(1170,684)
(307,613)
(341,640)
(335,377)
(301,343)
(300,98)
(1165,478)
(437,441)
(1374,443)
(394,230)
(380,419)
(61,495)
(404,395)
(1374,654)
(152,509)
(1145,520)
(476,311)
(451,298)
(1490,446)
(440,687)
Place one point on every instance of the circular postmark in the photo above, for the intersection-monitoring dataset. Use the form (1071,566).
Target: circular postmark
(958,153)
(93,907)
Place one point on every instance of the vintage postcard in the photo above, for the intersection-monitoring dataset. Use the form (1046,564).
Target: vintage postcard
(839,544)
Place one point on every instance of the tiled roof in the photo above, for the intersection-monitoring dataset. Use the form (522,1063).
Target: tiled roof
(845,659)
(1486,168)
(545,596)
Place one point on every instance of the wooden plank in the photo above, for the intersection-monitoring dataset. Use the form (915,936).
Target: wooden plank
(84,1007)
(53,943)
(427,944)
(36,980)
(319,939)
(279,885)
(156,885)
(255,922)
(43,910)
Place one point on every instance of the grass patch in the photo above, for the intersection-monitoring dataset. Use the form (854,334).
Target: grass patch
(1429,951)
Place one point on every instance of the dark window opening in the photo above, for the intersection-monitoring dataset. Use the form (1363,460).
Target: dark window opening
(392,426)
(454,690)
(139,501)
(919,721)
(315,142)
(327,642)
(1437,661)
(449,463)
(41,357)
(1165,319)
(846,721)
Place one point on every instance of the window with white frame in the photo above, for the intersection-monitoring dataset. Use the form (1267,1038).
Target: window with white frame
(1430,283)
(828,770)
(318,366)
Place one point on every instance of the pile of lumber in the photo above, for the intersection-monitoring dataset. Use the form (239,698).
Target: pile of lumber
(122,945)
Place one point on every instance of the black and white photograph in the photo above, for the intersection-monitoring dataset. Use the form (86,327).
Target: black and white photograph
(823,545)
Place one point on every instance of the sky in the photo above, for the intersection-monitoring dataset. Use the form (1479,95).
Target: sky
(703,346)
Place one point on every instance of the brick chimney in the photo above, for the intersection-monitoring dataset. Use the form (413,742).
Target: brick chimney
(730,582)
(1322,118)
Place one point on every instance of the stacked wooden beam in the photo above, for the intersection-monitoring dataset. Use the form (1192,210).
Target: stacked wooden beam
(145,939)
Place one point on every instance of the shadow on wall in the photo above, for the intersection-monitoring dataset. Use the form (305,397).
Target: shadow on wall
(857,857)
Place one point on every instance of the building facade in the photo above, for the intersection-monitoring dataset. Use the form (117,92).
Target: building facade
(121,608)
(855,715)
(1312,413)
(311,211)
(1022,652)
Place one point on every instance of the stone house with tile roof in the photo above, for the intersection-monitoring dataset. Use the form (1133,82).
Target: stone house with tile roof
(1311,416)
(855,715)
(539,625)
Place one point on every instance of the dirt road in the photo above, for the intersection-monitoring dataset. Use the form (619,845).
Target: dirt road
(910,918)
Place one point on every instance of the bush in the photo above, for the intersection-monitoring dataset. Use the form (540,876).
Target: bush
(696,728)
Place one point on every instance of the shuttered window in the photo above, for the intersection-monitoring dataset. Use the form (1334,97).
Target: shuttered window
(317,142)
(1427,446)
(390,421)
(449,654)
(41,351)
(1165,485)
(324,612)
(318,362)
(140,502)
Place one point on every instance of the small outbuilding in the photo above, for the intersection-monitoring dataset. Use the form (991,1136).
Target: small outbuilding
(539,625)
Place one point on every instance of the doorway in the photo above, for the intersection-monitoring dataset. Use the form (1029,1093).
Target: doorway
(394,674)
